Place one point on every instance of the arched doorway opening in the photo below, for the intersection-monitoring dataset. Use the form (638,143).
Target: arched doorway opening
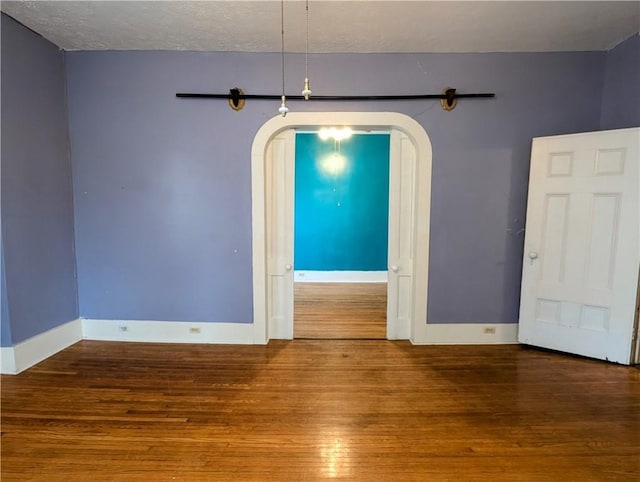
(272,219)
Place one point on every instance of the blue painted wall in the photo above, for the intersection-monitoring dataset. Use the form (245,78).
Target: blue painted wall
(621,96)
(163,185)
(37,206)
(341,203)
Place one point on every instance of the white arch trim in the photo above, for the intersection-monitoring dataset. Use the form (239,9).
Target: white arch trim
(358,121)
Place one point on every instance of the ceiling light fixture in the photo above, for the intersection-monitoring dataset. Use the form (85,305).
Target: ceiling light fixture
(306,91)
(334,133)
(283,106)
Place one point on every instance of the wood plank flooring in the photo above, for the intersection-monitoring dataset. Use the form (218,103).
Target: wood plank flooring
(306,410)
(340,310)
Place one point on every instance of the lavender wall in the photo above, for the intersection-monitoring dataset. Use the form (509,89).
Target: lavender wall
(621,95)
(37,205)
(162,185)
(5,326)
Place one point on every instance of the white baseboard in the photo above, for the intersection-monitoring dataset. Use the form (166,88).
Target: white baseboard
(7,361)
(168,331)
(466,334)
(340,276)
(27,353)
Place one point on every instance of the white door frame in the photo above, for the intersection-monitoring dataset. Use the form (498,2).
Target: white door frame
(358,121)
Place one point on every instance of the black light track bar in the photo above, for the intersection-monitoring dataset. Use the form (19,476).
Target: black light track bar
(236,97)
(335,97)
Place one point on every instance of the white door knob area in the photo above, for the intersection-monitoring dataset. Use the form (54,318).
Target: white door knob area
(287,267)
(394,268)
(533,255)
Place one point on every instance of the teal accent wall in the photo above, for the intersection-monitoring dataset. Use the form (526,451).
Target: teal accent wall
(341,203)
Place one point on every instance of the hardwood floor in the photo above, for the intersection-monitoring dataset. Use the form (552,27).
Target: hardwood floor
(308,410)
(340,310)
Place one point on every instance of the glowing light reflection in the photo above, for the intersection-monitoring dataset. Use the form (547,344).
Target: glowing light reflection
(336,457)
(333,164)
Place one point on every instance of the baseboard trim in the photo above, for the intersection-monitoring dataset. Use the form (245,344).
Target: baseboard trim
(340,276)
(7,361)
(168,331)
(466,334)
(26,354)
(29,352)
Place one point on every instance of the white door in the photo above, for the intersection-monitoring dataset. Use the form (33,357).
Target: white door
(582,248)
(402,198)
(279,181)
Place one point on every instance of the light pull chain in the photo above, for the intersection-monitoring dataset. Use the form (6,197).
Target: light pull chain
(283,106)
(306,92)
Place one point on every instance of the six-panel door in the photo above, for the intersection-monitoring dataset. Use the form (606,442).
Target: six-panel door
(582,252)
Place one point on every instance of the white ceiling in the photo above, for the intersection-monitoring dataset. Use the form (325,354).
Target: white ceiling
(334,26)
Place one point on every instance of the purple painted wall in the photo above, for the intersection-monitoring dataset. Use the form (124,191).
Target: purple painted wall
(621,95)
(162,185)
(37,205)
(5,326)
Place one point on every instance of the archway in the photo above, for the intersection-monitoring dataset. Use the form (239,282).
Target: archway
(410,189)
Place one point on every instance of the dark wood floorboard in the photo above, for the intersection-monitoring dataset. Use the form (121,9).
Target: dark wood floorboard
(340,310)
(311,410)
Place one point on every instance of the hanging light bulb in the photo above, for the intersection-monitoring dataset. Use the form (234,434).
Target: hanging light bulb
(306,92)
(283,107)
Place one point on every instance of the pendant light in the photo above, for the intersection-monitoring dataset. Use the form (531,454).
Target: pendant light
(283,106)
(306,91)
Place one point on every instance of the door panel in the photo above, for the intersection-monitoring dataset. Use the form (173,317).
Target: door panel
(402,206)
(582,248)
(279,179)
(554,240)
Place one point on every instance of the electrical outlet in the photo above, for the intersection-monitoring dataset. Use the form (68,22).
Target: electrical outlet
(489,330)
(194,330)
(123,328)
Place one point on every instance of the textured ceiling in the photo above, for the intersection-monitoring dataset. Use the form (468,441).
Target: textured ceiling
(334,26)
